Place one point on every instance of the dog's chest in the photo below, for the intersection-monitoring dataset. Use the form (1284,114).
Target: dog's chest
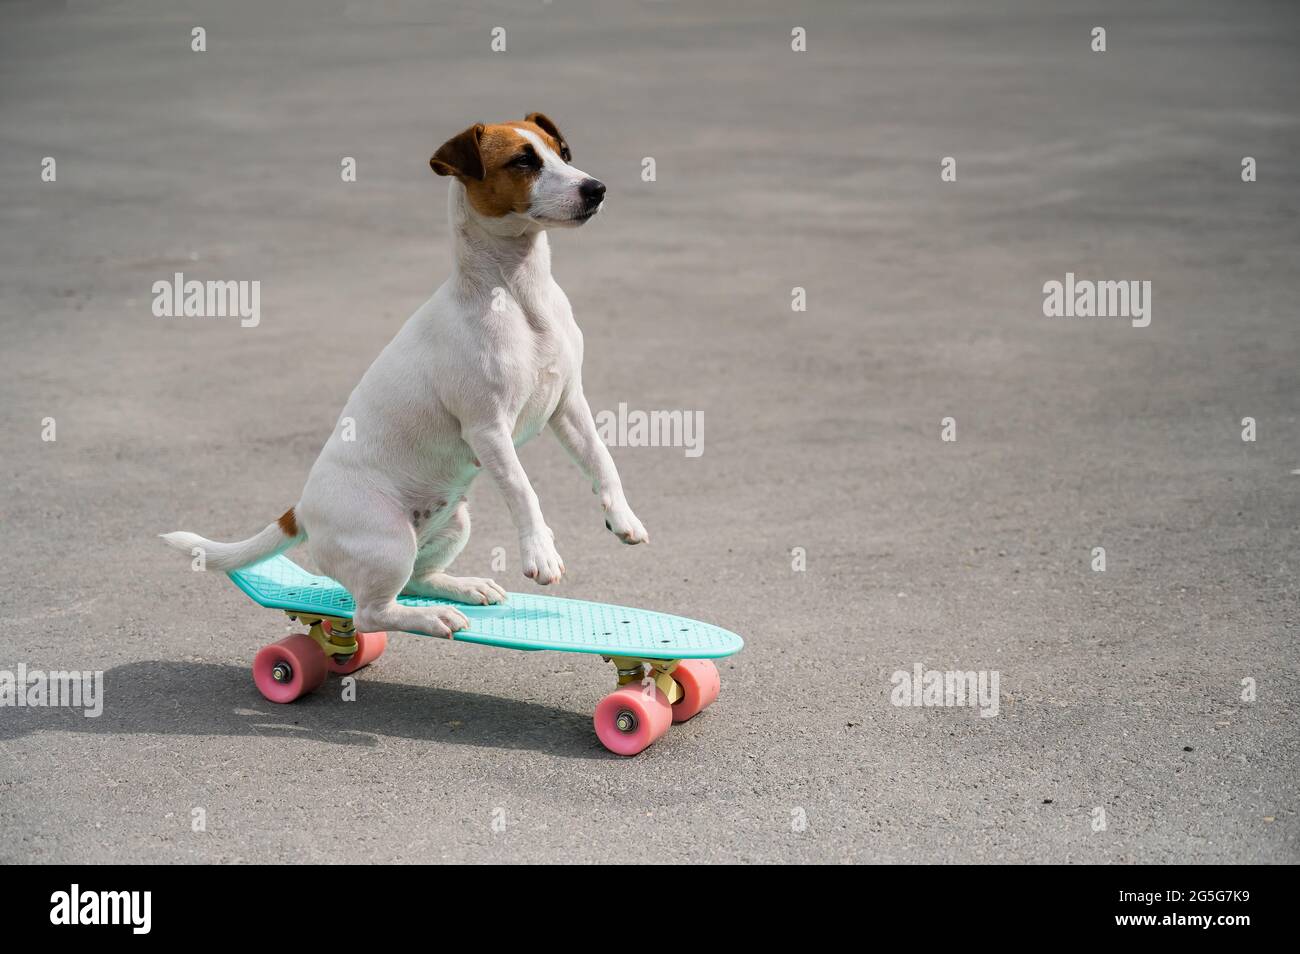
(541,401)
(547,345)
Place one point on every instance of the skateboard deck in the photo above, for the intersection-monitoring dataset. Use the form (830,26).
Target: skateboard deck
(524,621)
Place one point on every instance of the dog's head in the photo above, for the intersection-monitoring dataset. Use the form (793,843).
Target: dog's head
(520,170)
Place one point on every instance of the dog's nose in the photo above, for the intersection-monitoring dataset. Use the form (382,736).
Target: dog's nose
(592,190)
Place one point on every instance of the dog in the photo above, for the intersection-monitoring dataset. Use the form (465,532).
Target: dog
(479,369)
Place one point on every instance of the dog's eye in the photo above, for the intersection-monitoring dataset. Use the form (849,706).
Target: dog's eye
(524,161)
(565,154)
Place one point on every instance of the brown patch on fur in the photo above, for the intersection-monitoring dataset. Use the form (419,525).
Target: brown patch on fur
(288,523)
(479,157)
(503,189)
(459,155)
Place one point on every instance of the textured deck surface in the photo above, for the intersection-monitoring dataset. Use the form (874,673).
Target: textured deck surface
(523,622)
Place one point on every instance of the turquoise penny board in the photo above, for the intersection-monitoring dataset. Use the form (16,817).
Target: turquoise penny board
(524,621)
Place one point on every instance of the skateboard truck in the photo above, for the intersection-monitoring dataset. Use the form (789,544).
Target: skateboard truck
(634,669)
(336,636)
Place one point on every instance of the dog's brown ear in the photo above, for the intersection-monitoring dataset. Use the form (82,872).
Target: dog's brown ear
(544,122)
(460,155)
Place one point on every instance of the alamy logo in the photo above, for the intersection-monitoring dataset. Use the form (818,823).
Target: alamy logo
(103,907)
(179,298)
(1084,298)
(626,428)
(934,687)
(33,688)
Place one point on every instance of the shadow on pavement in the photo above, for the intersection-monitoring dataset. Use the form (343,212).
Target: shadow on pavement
(190,698)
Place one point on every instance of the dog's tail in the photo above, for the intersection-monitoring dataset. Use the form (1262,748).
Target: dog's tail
(276,538)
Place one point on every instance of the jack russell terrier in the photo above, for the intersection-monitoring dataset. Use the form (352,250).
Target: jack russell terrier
(479,369)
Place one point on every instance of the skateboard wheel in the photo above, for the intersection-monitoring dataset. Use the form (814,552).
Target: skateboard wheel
(370,646)
(289,669)
(700,684)
(628,720)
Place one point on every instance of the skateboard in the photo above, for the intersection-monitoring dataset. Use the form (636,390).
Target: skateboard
(664,663)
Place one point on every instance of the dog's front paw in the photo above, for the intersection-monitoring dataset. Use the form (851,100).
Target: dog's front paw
(541,560)
(622,522)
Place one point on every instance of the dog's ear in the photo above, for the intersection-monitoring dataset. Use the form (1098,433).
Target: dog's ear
(544,122)
(460,155)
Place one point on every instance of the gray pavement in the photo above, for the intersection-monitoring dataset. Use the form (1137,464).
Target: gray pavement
(1121,692)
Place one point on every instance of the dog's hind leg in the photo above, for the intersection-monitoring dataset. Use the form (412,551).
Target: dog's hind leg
(429,576)
(372,557)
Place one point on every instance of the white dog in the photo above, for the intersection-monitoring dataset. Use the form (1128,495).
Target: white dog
(480,368)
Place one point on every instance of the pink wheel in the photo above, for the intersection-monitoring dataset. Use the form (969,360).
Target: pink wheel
(289,669)
(370,646)
(627,720)
(700,684)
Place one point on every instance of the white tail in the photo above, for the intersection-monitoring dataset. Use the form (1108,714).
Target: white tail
(276,538)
